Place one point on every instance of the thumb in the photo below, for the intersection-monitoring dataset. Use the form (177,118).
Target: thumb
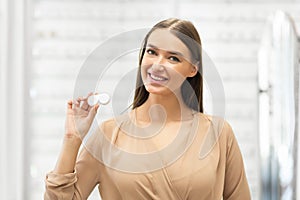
(93,111)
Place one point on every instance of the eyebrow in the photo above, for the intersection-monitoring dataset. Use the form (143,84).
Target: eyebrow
(170,52)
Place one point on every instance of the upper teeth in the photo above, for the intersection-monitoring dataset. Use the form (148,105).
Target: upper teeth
(157,77)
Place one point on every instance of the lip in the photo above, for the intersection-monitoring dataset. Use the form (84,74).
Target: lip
(155,78)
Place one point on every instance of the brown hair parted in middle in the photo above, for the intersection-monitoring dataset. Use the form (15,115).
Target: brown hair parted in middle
(192,87)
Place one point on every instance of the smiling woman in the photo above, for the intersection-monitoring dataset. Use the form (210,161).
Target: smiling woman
(156,150)
(172,35)
(163,65)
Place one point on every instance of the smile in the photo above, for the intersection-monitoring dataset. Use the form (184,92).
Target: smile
(157,78)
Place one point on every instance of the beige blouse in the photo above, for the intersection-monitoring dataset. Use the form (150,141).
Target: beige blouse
(209,167)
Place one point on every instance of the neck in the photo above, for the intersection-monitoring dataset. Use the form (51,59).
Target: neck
(164,108)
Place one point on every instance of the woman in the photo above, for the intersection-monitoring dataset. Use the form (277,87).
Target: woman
(165,148)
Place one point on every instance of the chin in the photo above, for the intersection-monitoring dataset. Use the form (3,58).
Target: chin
(158,90)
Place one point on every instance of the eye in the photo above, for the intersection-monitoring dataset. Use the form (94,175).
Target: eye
(150,51)
(173,58)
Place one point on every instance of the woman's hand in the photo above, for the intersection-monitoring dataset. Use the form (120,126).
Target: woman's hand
(80,116)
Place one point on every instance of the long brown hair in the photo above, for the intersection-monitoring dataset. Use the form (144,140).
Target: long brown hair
(192,87)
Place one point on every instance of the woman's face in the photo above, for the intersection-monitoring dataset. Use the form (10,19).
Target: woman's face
(165,63)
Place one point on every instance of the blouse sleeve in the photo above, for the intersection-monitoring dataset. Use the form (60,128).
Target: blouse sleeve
(77,185)
(236,185)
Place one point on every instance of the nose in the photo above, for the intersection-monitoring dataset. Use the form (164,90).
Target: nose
(158,64)
(157,67)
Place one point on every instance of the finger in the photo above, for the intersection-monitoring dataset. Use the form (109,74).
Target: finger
(93,111)
(85,104)
(70,103)
(90,108)
(80,101)
(76,103)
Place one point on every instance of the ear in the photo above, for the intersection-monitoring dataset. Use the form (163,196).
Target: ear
(194,69)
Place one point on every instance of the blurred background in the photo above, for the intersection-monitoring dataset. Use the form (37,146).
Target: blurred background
(43,44)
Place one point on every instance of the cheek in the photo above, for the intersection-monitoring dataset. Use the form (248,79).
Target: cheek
(146,62)
(145,65)
(144,68)
(180,72)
